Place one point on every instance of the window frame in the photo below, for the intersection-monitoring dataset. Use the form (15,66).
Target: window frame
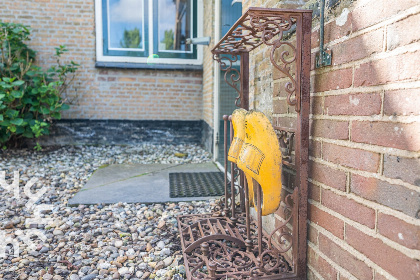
(107,49)
(169,53)
(107,60)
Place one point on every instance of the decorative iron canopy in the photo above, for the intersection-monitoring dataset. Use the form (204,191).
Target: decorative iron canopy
(255,27)
(259,26)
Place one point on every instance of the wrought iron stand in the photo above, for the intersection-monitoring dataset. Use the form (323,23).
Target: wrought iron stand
(230,244)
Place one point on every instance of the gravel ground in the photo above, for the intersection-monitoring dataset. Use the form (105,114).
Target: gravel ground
(117,241)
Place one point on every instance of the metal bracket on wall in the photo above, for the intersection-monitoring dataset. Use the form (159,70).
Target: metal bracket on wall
(323,57)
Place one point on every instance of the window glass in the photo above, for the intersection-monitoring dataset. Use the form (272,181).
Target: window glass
(126,25)
(174,25)
(140,29)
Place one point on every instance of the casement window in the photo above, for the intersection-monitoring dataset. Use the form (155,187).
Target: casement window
(147,32)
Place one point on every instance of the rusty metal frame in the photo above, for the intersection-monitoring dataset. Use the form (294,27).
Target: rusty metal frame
(230,244)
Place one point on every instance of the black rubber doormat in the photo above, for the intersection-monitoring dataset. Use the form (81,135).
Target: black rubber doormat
(197,184)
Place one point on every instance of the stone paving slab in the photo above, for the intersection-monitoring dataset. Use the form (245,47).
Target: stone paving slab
(133,183)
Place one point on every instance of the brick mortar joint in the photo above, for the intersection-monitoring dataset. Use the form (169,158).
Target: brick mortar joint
(410,48)
(370,204)
(364,90)
(366,174)
(339,216)
(383,24)
(351,250)
(337,267)
(398,85)
(410,253)
(374,118)
(376,221)
(368,147)
(313,270)
(407,49)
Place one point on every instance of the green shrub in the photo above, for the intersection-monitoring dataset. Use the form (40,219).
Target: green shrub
(30,97)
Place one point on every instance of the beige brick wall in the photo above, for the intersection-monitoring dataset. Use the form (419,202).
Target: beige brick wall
(104,93)
(208,69)
(364,203)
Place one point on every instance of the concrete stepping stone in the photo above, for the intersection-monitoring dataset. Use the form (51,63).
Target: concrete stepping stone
(135,183)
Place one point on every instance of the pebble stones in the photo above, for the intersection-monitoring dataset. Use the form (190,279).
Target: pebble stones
(89,277)
(116,241)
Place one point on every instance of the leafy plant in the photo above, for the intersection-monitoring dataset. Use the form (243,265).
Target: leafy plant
(168,40)
(30,97)
(131,39)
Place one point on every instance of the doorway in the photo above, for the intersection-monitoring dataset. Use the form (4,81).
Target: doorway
(229,14)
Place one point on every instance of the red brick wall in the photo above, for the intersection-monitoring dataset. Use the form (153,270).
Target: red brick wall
(364,205)
(103,94)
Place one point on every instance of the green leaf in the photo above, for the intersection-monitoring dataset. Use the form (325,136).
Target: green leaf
(12,113)
(65,107)
(12,128)
(27,100)
(17,94)
(28,134)
(17,121)
(20,130)
(5,123)
(1,118)
(17,30)
(56,115)
(45,110)
(18,83)
(5,86)
(50,101)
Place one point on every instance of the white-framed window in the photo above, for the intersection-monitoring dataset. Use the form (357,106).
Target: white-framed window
(148,31)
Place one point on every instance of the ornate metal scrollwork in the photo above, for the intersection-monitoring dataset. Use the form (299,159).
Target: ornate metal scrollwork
(290,86)
(268,29)
(278,243)
(259,28)
(224,259)
(232,75)
(284,232)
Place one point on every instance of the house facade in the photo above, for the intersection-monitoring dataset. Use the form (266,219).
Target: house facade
(139,80)
(121,77)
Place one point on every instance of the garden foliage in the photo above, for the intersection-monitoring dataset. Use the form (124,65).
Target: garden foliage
(30,97)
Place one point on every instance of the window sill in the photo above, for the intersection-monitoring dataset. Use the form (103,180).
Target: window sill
(127,65)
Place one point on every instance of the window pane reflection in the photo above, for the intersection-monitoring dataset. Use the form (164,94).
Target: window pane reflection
(174,25)
(125,24)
